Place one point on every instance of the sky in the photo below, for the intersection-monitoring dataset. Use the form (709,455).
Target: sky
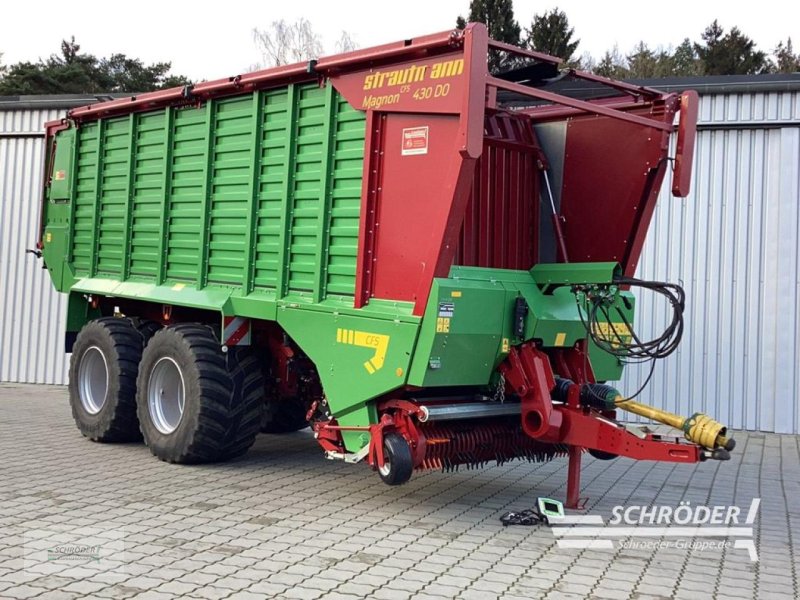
(213,39)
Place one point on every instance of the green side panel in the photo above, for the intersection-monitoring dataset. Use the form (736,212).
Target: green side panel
(84,199)
(147,194)
(306,189)
(113,198)
(309,194)
(468,324)
(461,338)
(258,193)
(358,358)
(276,129)
(230,189)
(348,162)
(189,168)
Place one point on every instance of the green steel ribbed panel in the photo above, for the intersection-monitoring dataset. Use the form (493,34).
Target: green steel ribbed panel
(85,191)
(348,162)
(260,191)
(307,188)
(270,189)
(110,240)
(147,192)
(230,186)
(186,194)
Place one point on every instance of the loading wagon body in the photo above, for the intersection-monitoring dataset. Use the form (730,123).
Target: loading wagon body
(392,244)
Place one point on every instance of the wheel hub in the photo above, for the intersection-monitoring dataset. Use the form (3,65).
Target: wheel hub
(93,380)
(166,395)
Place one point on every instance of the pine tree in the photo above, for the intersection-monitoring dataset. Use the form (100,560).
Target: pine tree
(612,65)
(685,60)
(730,54)
(74,72)
(498,16)
(786,61)
(550,33)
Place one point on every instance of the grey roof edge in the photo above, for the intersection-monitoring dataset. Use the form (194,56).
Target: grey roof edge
(726,84)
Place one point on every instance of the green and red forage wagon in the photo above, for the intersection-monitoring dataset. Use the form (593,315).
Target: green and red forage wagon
(428,263)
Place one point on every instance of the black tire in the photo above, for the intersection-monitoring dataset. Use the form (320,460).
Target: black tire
(148,329)
(284,415)
(602,455)
(113,345)
(398,464)
(223,396)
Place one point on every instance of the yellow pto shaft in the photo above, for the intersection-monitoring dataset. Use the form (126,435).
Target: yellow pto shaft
(699,428)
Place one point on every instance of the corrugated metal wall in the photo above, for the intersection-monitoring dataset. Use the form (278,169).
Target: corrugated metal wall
(31,313)
(735,245)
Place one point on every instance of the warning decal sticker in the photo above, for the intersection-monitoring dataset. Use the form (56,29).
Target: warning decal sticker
(415,141)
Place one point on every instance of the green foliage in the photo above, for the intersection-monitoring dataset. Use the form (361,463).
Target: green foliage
(786,61)
(550,33)
(498,16)
(730,54)
(612,64)
(72,72)
(644,62)
(685,61)
(717,53)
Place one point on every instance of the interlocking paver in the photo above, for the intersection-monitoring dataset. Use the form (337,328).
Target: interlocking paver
(283,522)
(23,591)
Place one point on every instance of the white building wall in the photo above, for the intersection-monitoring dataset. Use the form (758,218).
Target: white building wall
(734,244)
(31,312)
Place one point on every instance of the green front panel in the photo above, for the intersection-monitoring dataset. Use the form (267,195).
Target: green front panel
(463,333)
(62,173)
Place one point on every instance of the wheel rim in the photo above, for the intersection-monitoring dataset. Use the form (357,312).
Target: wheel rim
(387,465)
(166,395)
(93,380)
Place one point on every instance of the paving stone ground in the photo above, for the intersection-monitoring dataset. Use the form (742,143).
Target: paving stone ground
(283,522)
